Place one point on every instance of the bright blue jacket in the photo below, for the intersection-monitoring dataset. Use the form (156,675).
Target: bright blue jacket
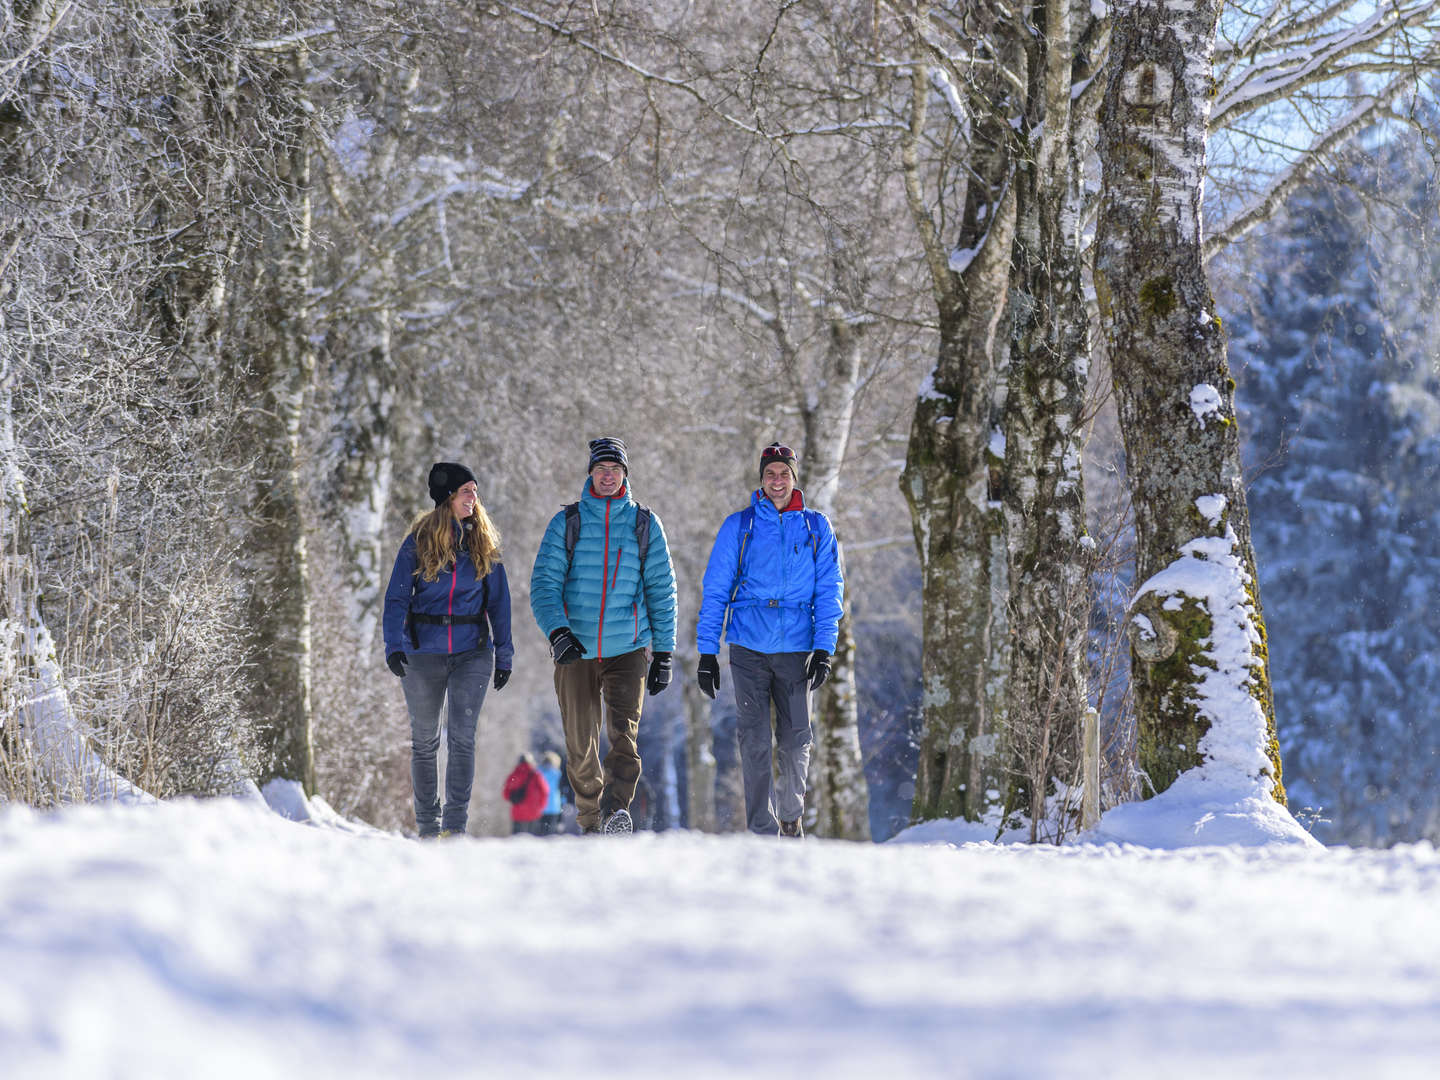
(600,595)
(456,591)
(789,598)
(555,804)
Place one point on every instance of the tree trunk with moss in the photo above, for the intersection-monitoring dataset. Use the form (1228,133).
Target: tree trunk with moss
(1196,629)
(947,478)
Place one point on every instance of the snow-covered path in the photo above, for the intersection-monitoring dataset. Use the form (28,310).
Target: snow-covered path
(215,939)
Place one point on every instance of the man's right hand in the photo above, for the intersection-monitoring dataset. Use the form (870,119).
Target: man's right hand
(709,674)
(565,646)
(396,662)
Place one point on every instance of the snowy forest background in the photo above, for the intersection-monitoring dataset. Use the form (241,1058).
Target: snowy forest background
(261,264)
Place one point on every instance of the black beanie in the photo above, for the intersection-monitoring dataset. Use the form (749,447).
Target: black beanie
(608,449)
(448,477)
(781,453)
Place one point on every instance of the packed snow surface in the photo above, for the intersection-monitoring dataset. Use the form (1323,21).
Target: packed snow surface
(219,939)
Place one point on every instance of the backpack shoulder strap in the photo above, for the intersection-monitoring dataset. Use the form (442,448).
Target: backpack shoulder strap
(813,530)
(643,517)
(572,533)
(747,530)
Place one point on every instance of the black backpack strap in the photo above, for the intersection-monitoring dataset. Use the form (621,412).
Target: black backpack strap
(572,533)
(643,517)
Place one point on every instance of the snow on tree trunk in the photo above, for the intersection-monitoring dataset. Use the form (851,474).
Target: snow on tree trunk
(285,368)
(1197,633)
(1044,495)
(42,741)
(837,797)
(360,459)
(947,483)
(365,389)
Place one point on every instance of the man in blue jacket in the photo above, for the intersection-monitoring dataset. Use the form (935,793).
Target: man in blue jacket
(603,590)
(774,573)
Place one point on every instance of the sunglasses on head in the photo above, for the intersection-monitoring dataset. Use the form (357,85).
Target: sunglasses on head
(777,452)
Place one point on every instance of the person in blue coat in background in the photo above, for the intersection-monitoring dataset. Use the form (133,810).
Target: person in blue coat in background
(774,576)
(555,806)
(446,624)
(603,591)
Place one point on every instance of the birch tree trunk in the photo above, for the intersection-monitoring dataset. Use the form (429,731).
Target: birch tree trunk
(284,369)
(1196,630)
(838,797)
(1044,497)
(947,479)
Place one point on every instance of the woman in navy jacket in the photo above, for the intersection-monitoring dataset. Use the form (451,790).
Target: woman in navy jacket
(447,626)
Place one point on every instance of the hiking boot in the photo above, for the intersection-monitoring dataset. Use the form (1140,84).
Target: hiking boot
(590,830)
(792,828)
(617,823)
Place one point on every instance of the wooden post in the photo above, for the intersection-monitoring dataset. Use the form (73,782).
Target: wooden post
(1090,802)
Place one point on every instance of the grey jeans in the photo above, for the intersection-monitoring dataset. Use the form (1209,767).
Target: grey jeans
(430,679)
(760,680)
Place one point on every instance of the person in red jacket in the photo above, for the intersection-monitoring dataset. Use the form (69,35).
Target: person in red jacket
(527,792)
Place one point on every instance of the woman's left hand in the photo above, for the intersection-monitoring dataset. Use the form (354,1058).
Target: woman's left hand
(502,676)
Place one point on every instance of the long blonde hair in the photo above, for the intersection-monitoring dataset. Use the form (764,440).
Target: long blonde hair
(435,540)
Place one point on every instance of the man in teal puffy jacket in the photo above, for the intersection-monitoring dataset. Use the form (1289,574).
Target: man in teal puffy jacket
(774,574)
(603,591)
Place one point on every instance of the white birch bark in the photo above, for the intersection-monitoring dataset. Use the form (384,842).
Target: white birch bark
(838,796)
(1044,494)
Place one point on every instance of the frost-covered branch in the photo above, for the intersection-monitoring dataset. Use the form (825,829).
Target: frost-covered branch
(1273,78)
(1268,202)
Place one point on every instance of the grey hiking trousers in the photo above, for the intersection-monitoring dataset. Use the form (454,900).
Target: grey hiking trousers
(772,791)
(432,680)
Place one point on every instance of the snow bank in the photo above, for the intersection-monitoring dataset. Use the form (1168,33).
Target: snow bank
(221,940)
(1199,809)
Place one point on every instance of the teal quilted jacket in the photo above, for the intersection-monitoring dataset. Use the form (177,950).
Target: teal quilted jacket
(600,595)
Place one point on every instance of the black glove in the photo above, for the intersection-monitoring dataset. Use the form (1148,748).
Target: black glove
(709,674)
(659,676)
(517,796)
(396,662)
(502,676)
(565,646)
(818,670)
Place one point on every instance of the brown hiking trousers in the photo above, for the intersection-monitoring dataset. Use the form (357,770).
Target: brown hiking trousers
(617,682)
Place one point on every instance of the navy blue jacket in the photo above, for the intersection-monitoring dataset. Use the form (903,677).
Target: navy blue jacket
(456,591)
